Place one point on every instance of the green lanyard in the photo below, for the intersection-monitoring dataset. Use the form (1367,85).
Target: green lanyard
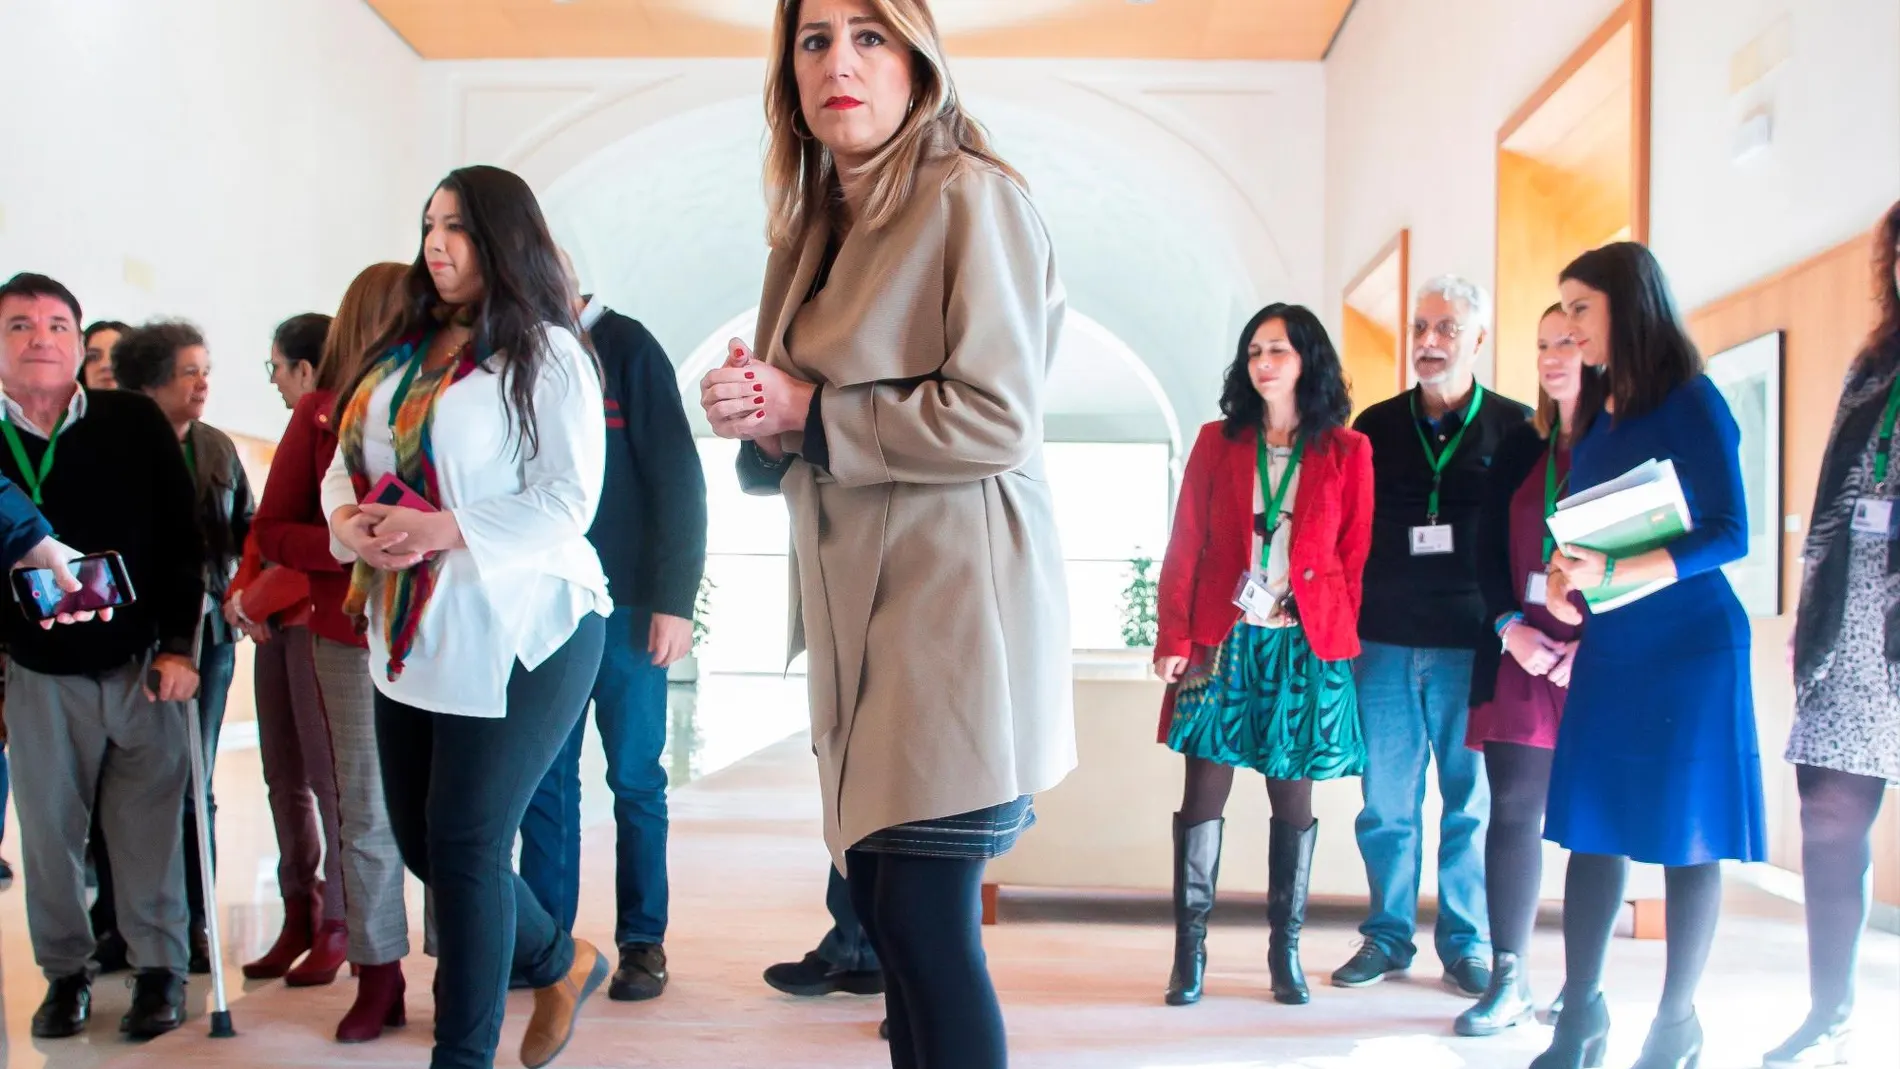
(1274,498)
(1437,462)
(1552,486)
(191,455)
(1887,419)
(33,479)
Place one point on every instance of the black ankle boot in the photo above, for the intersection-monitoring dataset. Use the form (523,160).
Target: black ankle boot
(1289,870)
(1822,1041)
(1196,869)
(1581,1035)
(1672,1046)
(1505,1004)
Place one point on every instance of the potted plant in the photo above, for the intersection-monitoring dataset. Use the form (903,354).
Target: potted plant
(686,669)
(1139,614)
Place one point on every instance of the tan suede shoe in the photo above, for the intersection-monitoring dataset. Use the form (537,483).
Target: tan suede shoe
(558,1007)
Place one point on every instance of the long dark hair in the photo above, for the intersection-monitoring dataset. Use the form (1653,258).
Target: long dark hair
(1883,345)
(1650,353)
(524,289)
(1320,395)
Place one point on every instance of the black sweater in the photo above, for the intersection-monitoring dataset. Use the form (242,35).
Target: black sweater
(1428,602)
(650,531)
(119,482)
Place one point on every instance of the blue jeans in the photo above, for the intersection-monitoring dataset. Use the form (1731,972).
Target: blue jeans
(845,946)
(1413,703)
(630,708)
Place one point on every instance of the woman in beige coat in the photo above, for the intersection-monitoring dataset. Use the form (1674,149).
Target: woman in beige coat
(910,312)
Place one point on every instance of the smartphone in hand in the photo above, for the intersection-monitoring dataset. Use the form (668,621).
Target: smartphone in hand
(103,584)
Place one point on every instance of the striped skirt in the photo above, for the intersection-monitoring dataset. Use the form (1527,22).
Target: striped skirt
(980,834)
(1263,700)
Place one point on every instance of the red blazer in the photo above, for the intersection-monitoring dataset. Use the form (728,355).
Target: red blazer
(1211,546)
(290,527)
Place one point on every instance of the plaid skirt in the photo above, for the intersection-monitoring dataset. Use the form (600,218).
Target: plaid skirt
(979,834)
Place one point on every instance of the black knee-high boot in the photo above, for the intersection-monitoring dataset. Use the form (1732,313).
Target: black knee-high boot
(1196,869)
(1289,871)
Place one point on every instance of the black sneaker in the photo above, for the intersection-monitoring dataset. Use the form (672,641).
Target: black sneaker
(158,1004)
(1367,967)
(642,973)
(1470,977)
(814,977)
(67,1008)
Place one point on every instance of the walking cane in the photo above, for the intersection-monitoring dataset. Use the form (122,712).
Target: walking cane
(221,1008)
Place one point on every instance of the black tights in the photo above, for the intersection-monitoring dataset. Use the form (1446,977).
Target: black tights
(1837,820)
(925,917)
(1514,845)
(1209,783)
(1593,893)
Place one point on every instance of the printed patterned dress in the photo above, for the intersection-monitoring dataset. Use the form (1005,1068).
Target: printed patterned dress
(1262,699)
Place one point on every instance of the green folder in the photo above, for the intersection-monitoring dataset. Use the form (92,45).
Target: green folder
(1643,509)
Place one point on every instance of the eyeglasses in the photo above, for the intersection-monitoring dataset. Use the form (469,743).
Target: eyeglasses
(1448,329)
(271,369)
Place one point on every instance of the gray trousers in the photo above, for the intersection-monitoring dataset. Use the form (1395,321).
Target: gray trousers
(74,739)
(374,912)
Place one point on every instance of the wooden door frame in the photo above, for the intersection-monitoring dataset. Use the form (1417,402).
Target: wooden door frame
(1400,245)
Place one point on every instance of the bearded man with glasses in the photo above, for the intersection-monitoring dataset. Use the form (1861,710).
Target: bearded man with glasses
(1420,625)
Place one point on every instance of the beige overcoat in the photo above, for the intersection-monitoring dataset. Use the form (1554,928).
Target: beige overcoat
(927,581)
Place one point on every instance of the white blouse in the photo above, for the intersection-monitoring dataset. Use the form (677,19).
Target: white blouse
(528,576)
(1279,565)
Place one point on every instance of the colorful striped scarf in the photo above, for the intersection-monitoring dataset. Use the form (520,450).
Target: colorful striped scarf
(404,593)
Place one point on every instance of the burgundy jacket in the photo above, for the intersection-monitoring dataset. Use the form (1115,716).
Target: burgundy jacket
(290,526)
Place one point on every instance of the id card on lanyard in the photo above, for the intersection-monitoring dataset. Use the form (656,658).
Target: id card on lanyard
(1434,538)
(1873,511)
(34,478)
(1254,596)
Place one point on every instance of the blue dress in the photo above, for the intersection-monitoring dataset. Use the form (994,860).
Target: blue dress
(1657,758)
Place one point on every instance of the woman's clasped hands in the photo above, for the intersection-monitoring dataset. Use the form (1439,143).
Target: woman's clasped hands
(751,400)
(392,538)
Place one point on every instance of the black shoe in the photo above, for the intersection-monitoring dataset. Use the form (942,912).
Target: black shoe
(109,953)
(1196,871)
(814,977)
(1821,1041)
(158,1004)
(200,964)
(642,973)
(1672,1046)
(1470,977)
(1369,966)
(884,1030)
(1289,871)
(67,1008)
(1506,1004)
(1581,1036)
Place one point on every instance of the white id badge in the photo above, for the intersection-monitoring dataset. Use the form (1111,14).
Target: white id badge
(1874,516)
(1253,597)
(1537,589)
(1431,541)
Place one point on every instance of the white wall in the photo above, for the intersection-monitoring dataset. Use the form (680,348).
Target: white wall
(1180,196)
(1416,93)
(1833,167)
(230,161)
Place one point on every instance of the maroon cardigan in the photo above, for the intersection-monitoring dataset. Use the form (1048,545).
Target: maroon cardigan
(1212,542)
(290,526)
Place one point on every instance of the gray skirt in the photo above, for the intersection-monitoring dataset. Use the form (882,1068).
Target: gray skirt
(978,835)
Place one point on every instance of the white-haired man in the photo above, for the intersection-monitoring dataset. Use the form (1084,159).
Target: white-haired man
(1420,624)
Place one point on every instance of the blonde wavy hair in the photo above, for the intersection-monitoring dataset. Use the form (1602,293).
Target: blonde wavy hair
(800,174)
(369,306)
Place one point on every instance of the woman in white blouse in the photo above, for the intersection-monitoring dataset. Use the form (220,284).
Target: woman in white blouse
(468,467)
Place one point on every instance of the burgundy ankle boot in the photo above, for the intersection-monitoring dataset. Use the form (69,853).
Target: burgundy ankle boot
(301,913)
(379,1005)
(328,952)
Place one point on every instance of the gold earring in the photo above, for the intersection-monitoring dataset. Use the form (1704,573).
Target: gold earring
(800,127)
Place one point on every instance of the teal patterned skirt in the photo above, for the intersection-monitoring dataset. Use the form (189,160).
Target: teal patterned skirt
(1264,701)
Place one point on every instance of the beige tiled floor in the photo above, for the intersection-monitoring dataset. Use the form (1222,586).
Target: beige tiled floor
(748,883)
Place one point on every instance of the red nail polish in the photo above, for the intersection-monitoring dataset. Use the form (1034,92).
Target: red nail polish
(759,415)
(748,374)
(759,388)
(758,400)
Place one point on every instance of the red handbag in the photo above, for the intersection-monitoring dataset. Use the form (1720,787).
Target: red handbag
(277,591)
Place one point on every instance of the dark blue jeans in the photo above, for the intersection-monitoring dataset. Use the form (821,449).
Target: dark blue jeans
(845,946)
(630,708)
(457,787)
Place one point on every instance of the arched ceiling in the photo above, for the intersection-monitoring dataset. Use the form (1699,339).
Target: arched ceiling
(573,29)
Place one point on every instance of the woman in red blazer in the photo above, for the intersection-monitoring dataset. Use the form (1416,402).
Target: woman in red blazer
(292,530)
(1259,615)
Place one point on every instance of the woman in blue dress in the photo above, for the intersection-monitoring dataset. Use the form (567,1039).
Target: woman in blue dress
(1656,758)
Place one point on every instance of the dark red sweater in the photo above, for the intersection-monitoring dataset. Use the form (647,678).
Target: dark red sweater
(290,526)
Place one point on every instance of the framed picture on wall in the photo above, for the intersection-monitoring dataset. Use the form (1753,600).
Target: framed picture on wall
(1749,376)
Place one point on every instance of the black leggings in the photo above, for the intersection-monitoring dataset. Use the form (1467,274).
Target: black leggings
(1593,893)
(1837,819)
(1514,845)
(925,917)
(1209,783)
